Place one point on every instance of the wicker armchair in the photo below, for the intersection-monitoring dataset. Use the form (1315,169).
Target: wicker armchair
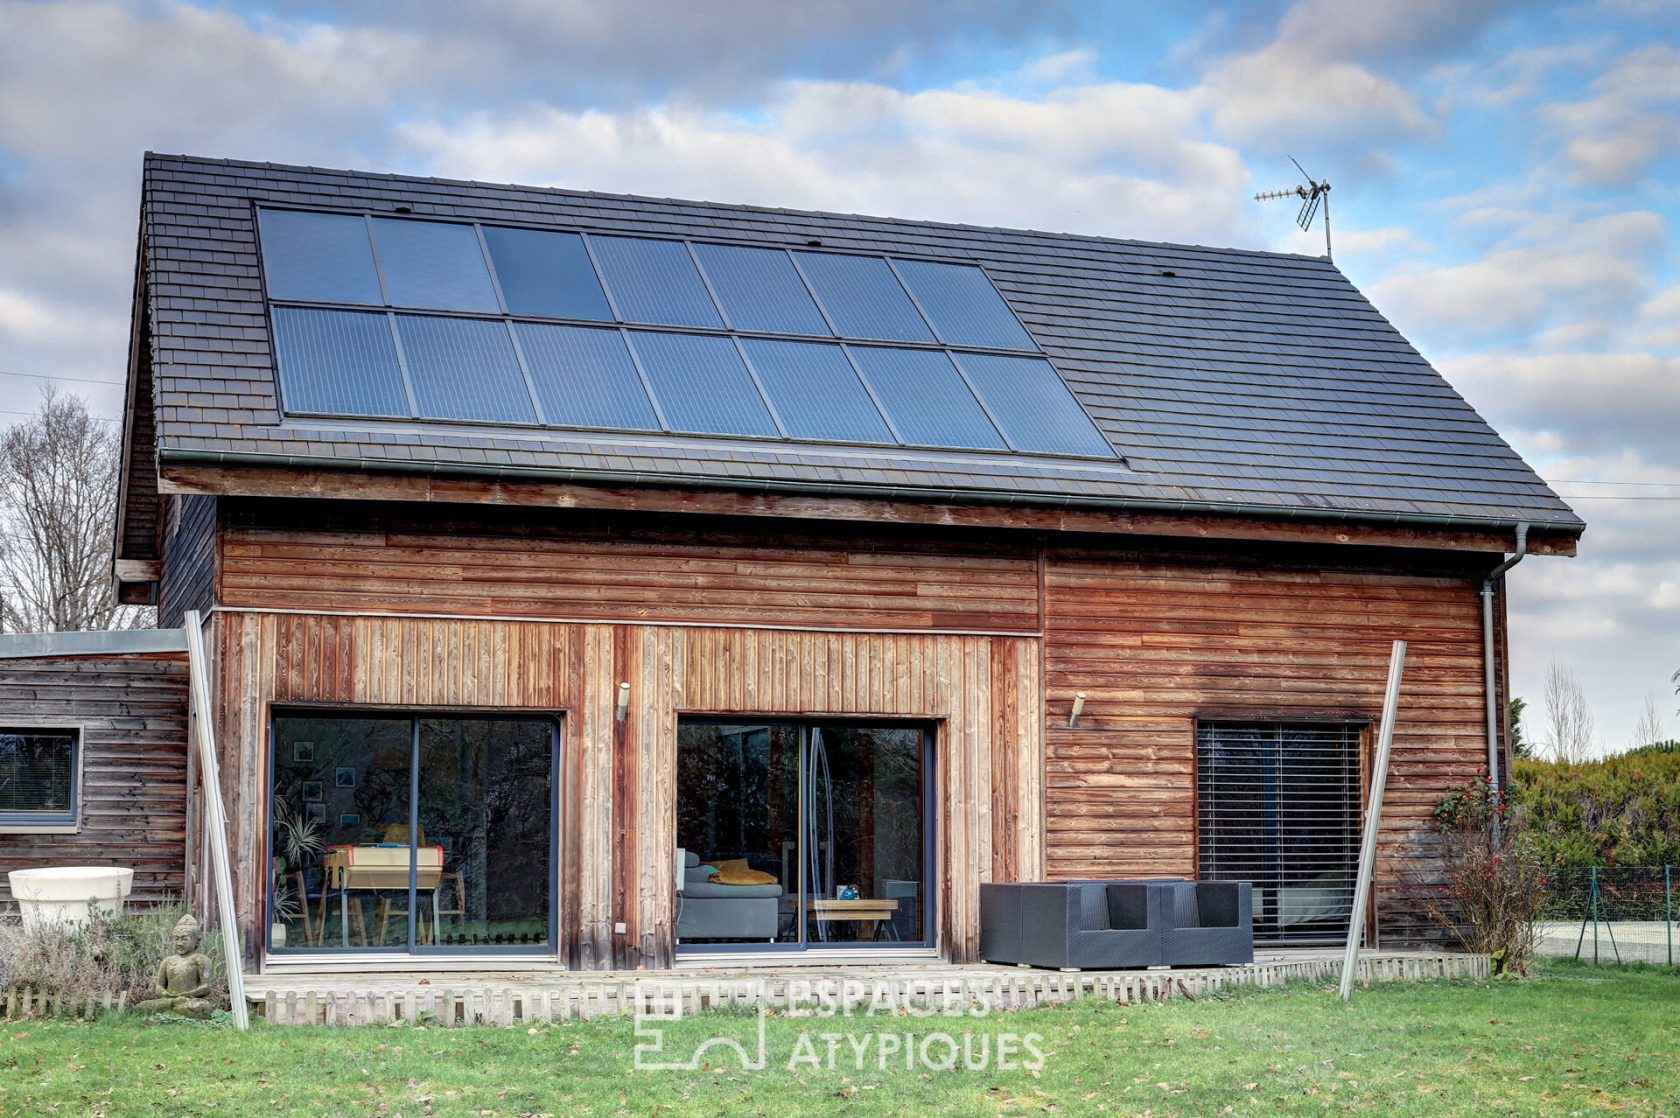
(1071,925)
(1207,923)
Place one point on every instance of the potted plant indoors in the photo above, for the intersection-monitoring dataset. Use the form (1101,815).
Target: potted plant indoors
(298,840)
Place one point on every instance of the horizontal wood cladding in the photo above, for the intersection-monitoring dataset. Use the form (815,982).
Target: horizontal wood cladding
(580,570)
(982,693)
(133,714)
(1156,645)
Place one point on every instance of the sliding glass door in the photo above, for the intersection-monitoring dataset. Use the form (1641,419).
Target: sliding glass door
(801,834)
(412,833)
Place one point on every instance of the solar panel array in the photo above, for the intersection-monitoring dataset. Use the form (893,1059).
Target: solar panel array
(382,317)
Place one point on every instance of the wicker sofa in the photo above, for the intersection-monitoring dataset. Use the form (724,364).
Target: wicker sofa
(1095,925)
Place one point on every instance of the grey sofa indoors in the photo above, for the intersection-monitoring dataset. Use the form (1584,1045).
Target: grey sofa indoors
(1091,925)
(740,912)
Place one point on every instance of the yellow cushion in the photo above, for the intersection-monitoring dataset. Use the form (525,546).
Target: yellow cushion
(736,872)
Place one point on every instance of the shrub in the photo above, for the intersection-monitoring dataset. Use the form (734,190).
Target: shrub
(118,955)
(1494,885)
(1622,810)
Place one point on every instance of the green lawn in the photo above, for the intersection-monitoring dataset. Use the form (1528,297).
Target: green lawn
(1577,1041)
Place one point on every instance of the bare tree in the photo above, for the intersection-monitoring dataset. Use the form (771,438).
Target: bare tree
(58,501)
(1649,729)
(1569,721)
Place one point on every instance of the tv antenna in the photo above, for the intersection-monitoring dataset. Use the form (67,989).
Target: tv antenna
(1313,193)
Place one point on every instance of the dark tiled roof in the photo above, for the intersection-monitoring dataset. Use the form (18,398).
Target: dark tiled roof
(1229,380)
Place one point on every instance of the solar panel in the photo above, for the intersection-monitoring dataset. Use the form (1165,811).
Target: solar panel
(464,368)
(711,380)
(433,265)
(1033,405)
(546,274)
(701,384)
(322,258)
(654,281)
(963,305)
(584,377)
(816,391)
(863,298)
(926,398)
(338,363)
(760,289)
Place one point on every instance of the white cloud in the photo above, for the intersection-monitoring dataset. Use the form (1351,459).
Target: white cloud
(1323,84)
(1555,272)
(1062,66)
(1111,158)
(1631,121)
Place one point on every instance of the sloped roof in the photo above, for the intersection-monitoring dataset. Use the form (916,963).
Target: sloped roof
(1228,380)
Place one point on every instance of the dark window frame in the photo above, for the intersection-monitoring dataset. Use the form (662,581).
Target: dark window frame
(927,810)
(1356,731)
(68,821)
(558,945)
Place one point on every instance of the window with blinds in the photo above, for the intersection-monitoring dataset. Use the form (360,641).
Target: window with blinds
(37,777)
(1278,805)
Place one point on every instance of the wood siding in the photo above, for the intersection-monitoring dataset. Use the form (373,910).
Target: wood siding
(133,714)
(587,572)
(1157,644)
(619,812)
(549,610)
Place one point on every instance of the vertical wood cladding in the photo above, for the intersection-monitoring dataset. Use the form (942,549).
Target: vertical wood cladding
(189,558)
(619,810)
(133,714)
(1157,644)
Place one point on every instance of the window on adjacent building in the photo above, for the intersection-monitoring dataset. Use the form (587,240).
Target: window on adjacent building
(38,777)
(1278,805)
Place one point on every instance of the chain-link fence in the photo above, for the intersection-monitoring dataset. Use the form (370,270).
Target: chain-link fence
(1611,914)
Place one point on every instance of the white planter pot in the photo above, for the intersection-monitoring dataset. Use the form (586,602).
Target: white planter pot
(69,894)
(277,935)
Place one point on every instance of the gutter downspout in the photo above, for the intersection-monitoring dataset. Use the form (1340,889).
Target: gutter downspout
(1488,657)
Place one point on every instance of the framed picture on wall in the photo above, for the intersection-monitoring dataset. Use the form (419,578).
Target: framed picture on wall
(303,753)
(312,790)
(344,777)
(350,819)
(315,812)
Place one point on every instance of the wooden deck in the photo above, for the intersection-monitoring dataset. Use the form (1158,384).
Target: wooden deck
(518,997)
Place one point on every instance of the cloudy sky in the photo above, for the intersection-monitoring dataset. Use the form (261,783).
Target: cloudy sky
(1505,181)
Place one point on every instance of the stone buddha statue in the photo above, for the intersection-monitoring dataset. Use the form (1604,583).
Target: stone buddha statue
(183,979)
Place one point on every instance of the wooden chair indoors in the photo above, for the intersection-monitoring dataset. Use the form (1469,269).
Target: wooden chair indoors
(311,928)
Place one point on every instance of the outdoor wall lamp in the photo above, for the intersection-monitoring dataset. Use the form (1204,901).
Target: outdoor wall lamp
(623,700)
(1078,709)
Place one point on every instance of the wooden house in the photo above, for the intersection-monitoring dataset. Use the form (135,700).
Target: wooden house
(618,581)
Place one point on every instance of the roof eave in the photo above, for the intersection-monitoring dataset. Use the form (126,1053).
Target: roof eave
(1571,528)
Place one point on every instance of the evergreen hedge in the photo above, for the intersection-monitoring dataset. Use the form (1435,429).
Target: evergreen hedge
(1618,811)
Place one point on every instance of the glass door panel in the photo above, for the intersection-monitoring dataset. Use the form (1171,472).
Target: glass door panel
(865,836)
(801,834)
(482,854)
(339,783)
(738,820)
(359,862)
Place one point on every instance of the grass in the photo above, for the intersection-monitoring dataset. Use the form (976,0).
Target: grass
(1576,1041)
